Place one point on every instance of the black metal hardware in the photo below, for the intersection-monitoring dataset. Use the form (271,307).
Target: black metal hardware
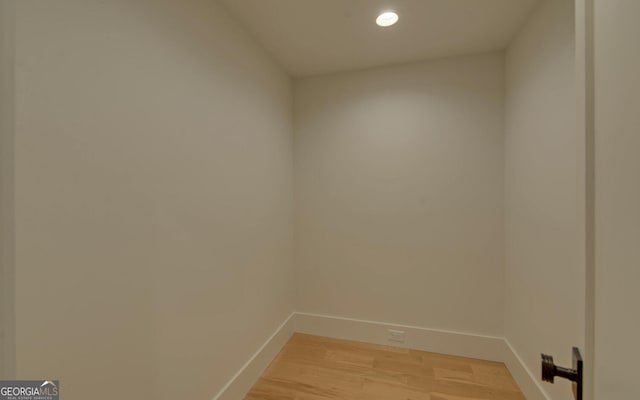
(550,370)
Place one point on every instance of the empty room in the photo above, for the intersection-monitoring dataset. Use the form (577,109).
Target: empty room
(319,199)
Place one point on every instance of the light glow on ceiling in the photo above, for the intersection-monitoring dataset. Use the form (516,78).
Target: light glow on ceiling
(387,18)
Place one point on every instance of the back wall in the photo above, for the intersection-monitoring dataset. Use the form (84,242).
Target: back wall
(398,194)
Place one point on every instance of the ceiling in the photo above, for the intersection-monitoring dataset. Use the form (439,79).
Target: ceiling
(310,37)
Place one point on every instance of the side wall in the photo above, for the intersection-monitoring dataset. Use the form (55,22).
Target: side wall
(154,197)
(398,189)
(544,193)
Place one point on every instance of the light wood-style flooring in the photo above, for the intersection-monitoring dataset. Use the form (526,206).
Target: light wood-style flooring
(319,368)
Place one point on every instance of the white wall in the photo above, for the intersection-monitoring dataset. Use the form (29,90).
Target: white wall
(153,197)
(544,190)
(7,306)
(398,185)
(617,142)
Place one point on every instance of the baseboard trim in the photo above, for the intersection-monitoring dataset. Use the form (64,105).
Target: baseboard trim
(527,381)
(250,372)
(418,338)
(484,347)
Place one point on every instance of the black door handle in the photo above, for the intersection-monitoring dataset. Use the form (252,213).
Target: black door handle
(550,370)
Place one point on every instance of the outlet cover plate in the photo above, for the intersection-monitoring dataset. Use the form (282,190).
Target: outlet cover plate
(396,335)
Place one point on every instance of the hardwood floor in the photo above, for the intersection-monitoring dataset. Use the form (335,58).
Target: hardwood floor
(318,368)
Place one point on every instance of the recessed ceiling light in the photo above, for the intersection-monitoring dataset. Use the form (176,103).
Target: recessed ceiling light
(387,18)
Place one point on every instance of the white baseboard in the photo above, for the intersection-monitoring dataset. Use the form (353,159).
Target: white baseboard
(528,383)
(247,376)
(484,347)
(433,340)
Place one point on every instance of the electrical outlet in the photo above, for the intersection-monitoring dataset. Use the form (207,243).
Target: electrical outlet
(395,335)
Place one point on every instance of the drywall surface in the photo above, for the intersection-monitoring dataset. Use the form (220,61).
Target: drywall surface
(617,141)
(398,192)
(154,197)
(7,294)
(544,223)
